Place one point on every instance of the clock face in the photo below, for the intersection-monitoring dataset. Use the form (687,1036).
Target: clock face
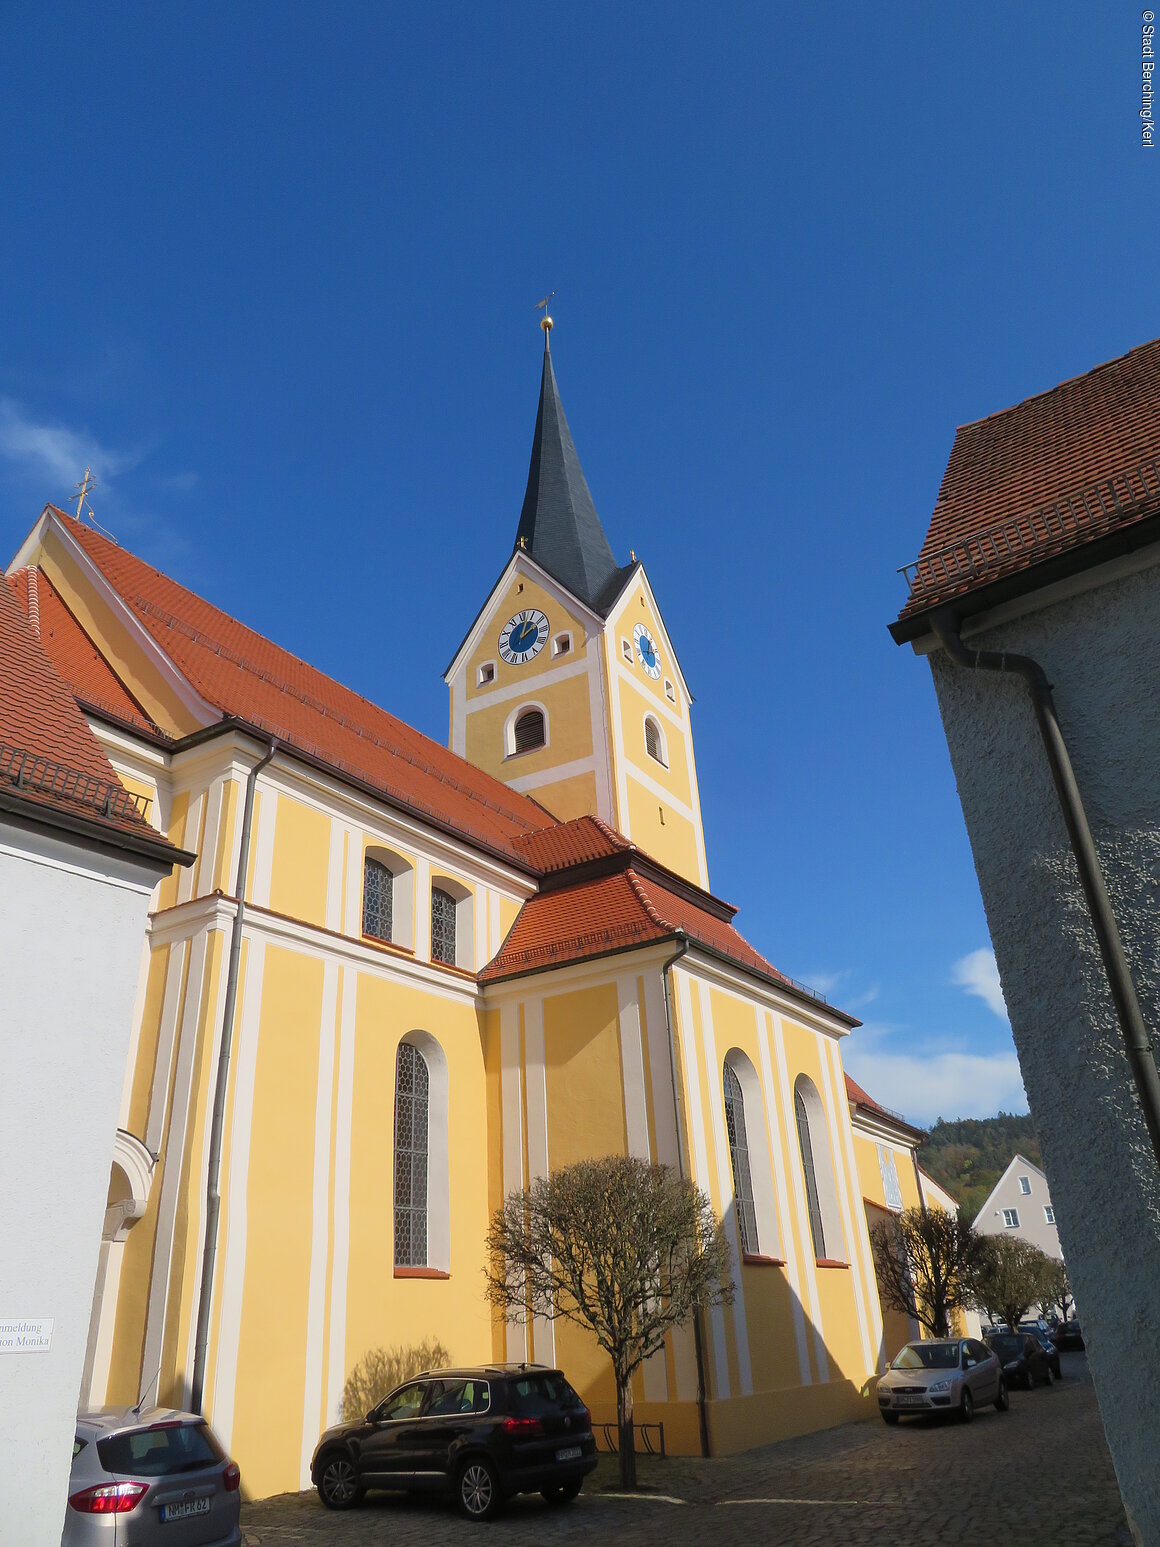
(523,637)
(646,650)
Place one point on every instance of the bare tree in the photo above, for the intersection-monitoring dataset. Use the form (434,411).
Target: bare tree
(625,1249)
(1010,1277)
(1057,1288)
(925,1260)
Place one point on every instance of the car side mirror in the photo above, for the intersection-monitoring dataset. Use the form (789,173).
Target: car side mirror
(967,1361)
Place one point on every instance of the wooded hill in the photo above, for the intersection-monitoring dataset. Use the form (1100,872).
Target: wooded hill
(969,1155)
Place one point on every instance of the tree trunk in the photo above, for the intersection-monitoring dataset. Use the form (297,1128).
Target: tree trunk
(626,1433)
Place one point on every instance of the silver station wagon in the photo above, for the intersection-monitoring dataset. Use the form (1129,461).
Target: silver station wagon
(945,1375)
(157,1477)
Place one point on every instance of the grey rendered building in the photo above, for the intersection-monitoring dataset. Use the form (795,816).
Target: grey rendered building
(1020,1205)
(1036,601)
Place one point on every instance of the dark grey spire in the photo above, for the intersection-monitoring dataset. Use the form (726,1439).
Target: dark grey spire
(559,526)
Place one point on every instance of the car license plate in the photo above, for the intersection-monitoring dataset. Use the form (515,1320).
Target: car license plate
(911,1401)
(186,1508)
(572,1453)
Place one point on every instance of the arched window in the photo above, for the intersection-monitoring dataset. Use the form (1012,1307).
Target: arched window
(412,1121)
(529,730)
(442,926)
(378,900)
(821,1192)
(739,1155)
(654,741)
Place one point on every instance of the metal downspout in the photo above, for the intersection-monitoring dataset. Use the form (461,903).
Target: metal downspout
(1137,1044)
(212,1193)
(698,1347)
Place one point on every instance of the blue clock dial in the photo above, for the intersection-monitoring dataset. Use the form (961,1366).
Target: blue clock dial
(523,637)
(646,650)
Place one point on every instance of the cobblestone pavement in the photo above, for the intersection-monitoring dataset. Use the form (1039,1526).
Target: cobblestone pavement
(1038,1474)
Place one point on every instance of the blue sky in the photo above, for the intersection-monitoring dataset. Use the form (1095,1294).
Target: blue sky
(271,270)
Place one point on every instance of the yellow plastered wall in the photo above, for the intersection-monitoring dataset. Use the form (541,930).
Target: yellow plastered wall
(569,728)
(522,594)
(569,798)
(655,827)
(301,856)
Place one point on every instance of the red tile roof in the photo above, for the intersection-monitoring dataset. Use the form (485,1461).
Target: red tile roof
(244,676)
(564,845)
(50,761)
(1056,472)
(628,908)
(72,652)
(859,1097)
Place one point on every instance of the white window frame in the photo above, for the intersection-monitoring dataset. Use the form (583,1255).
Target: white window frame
(1048,1214)
(464,920)
(509,729)
(670,692)
(402,895)
(662,739)
(1011,1219)
(825,1185)
(485,676)
(1025,1187)
(562,643)
(626,650)
(760,1160)
(438,1159)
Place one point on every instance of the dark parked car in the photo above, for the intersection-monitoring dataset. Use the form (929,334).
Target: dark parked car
(1042,1333)
(1068,1336)
(480,1434)
(1023,1357)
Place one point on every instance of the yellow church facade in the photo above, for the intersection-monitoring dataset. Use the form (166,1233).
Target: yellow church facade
(401,980)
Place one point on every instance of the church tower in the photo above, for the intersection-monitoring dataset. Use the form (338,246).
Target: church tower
(567,686)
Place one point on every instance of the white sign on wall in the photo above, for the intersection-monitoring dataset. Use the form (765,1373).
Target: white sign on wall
(30,1336)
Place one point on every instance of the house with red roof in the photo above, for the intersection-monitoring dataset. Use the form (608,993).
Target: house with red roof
(398,981)
(80,858)
(1035,600)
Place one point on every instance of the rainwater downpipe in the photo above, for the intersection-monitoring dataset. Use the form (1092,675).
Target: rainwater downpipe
(217,1124)
(1137,1044)
(698,1347)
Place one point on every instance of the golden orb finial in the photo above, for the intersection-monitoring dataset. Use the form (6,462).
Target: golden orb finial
(547,324)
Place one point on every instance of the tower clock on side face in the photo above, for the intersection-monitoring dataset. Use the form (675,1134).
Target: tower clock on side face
(646,650)
(523,637)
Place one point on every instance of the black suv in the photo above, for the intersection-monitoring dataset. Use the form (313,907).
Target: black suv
(482,1434)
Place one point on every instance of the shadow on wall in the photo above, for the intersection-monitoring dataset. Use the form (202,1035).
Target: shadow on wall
(380,1370)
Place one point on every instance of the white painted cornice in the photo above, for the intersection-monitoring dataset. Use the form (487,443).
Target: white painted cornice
(748,985)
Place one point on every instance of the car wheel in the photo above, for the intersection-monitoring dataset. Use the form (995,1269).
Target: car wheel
(564,1493)
(477,1490)
(890,1418)
(966,1406)
(1003,1400)
(338,1484)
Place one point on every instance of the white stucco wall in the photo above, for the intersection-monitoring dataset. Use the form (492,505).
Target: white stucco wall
(71,927)
(1029,1208)
(1101,651)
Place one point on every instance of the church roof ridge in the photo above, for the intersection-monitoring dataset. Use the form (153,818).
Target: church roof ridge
(558,526)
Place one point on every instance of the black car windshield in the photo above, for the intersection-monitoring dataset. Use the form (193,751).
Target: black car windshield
(160,1451)
(927,1356)
(1007,1343)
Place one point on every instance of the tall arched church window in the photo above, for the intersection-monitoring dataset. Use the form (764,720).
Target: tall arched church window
(739,1155)
(412,1125)
(378,900)
(442,927)
(529,730)
(805,1144)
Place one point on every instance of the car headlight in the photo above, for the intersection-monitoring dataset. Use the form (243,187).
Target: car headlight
(939,1385)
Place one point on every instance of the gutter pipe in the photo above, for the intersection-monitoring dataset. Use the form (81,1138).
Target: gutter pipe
(698,1346)
(1137,1044)
(212,1191)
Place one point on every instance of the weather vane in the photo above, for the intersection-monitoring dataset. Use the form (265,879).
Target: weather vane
(545,320)
(82,491)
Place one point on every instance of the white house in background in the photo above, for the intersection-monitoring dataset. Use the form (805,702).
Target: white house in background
(78,864)
(1020,1205)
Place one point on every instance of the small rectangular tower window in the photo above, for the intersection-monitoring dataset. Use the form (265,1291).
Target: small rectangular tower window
(485,674)
(670,692)
(626,650)
(562,644)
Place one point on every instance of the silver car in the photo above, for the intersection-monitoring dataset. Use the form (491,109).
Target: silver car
(153,1479)
(946,1375)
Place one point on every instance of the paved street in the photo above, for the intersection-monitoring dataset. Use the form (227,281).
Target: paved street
(1037,1474)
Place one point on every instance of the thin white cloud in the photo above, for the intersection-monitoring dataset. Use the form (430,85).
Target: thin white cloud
(826,982)
(860,1001)
(54,452)
(925,1087)
(977,974)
